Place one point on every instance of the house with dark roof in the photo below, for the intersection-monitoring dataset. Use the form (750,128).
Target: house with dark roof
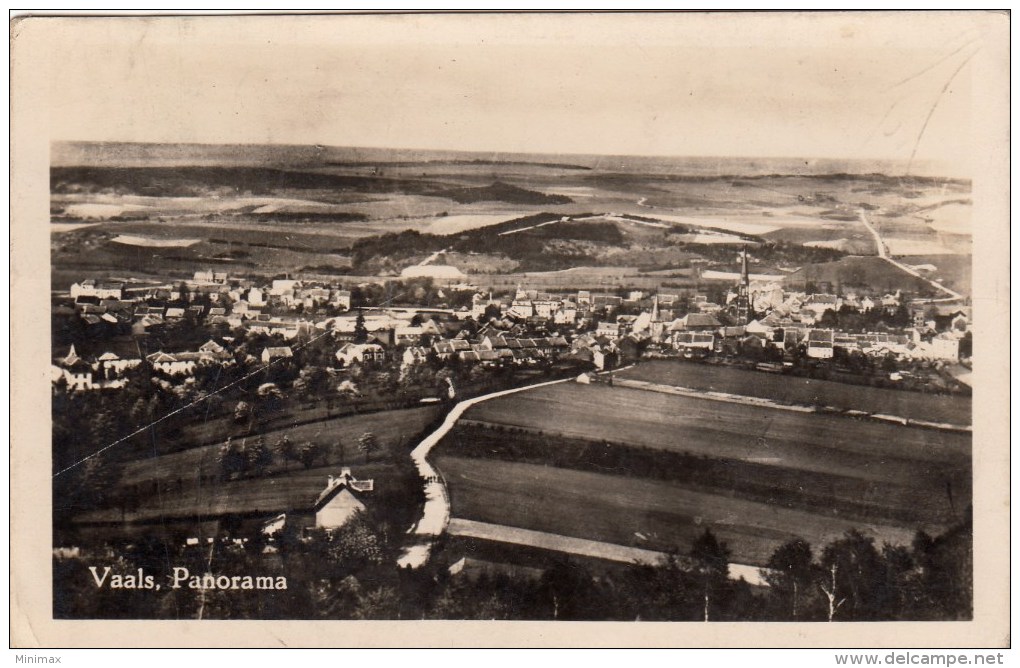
(695,322)
(276,352)
(350,353)
(75,371)
(340,501)
(820,343)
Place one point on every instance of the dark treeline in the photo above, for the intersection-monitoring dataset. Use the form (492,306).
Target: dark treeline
(196,180)
(534,245)
(501,192)
(777,486)
(350,574)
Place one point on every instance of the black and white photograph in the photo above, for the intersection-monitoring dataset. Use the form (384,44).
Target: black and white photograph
(649,317)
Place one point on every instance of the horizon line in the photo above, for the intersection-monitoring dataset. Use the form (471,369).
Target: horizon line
(906,160)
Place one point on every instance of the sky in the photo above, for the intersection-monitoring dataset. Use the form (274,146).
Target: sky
(840,85)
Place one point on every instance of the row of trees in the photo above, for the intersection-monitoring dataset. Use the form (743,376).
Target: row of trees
(351,574)
(244,457)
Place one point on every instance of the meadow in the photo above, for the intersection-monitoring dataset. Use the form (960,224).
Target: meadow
(187,484)
(650,514)
(581,461)
(809,391)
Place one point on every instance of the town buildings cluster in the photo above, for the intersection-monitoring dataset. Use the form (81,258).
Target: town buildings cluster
(527,327)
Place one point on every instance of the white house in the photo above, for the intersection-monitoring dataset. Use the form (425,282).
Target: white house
(521,309)
(946,347)
(210,277)
(820,343)
(610,330)
(90,288)
(75,372)
(172,365)
(342,299)
(545,308)
(414,355)
(360,352)
(340,501)
(256,297)
(109,365)
(281,287)
(275,353)
(566,314)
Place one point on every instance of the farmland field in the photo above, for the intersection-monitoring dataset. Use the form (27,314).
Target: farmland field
(797,474)
(787,389)
(812,442)
(640,513)
(187,474)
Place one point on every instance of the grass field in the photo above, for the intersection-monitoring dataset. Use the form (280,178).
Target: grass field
(283,483)
(789,389)
(830,472)
(953,271)
(393,429)
(640,513)
(813,442)
(915,497)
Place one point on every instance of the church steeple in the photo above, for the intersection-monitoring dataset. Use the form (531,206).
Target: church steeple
(72,357)
(744,291)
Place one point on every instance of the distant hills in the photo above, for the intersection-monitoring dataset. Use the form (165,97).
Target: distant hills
(129,154)
(549,241)
(501,192)
(189,181)
(197,180)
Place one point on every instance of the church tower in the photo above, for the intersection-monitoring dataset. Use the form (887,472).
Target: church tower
(744,291)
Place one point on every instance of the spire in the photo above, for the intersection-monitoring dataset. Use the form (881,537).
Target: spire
(72,357)
(743,291)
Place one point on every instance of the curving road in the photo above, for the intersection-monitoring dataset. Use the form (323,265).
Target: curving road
(883,252)
(436,514)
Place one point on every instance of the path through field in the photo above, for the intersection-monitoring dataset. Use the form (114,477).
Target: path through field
(577,546)
(436,513)
(884,254)
(727,397)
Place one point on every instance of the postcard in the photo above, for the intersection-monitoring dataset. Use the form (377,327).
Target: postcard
(510,329)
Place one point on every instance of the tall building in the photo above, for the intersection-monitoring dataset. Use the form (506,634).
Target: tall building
(743,291)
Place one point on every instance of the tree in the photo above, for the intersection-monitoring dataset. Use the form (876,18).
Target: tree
(360,330)
(232,459)
(491,312)
(828,584)
(258,456)
(242,411)
(711,563)
(309,453)
(567,588)
(368,444)
(355,546)
(285,448)
(854,572)
(790,571)
(87,485)
(967,345)
(103,428)
(317,382)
